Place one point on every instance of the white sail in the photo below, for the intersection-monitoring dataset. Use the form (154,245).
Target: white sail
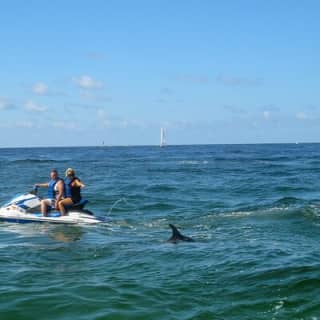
(162,137)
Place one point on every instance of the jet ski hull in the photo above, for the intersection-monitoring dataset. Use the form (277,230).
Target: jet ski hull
(25,209)
(72,218)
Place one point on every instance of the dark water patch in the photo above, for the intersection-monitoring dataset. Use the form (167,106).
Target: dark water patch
(291,189)
(161,188)
(157,206)
(288,201)
(34,161)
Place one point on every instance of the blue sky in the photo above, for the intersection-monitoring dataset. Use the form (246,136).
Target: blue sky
(87,72)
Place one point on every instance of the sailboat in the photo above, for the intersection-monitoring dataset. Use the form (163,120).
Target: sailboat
(162,137)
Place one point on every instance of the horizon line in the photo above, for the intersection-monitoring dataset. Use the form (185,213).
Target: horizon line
(155,145)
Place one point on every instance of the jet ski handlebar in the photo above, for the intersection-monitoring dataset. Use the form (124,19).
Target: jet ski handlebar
(34,190)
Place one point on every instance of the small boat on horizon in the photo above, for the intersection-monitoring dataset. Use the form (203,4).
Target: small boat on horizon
(162,137)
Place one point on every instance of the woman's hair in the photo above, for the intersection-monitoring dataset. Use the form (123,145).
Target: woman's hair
(70,172)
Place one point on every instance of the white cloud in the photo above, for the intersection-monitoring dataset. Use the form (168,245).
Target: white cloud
(123,124)
(302,116)
(87,82)
(234,109)
(116,123)
(167,91)
(234,81)
(5,104)
(193,78)
(25,124)
(19,124)
(40,88)
(65,125)
(270,108)
(266,115)
(96,56)
(181,124)
(34,107)
(86,95)
(102,116)
(255,124)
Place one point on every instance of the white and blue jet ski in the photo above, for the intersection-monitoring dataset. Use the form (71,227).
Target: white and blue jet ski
(27,208)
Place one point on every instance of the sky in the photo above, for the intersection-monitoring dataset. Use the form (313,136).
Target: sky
(87,73)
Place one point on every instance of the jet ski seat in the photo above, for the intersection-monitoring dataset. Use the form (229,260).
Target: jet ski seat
(78,205)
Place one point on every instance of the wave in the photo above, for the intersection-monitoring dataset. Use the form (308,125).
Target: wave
(286,201)
(25,161)
(193,162)
(160,187)
(291,205)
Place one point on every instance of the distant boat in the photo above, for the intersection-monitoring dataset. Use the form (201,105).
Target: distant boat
(162,137)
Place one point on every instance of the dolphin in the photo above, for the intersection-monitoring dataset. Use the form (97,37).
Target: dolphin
(177,236)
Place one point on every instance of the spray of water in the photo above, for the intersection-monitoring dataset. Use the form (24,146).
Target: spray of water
(126,202)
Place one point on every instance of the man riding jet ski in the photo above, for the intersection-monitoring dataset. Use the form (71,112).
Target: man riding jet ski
(55,192)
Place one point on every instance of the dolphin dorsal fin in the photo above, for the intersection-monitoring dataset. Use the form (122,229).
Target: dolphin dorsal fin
(175,232)
(176,235)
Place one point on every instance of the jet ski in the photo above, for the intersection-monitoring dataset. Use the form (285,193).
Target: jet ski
(27,208)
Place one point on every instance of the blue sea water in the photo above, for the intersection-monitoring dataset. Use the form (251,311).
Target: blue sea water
(253,211)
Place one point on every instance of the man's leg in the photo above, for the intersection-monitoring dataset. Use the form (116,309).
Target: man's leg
(44,206)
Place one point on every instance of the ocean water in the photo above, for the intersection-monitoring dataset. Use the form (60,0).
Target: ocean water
(253,211)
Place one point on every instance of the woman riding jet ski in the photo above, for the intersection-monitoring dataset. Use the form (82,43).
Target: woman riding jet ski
(55,192)
(72,191)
